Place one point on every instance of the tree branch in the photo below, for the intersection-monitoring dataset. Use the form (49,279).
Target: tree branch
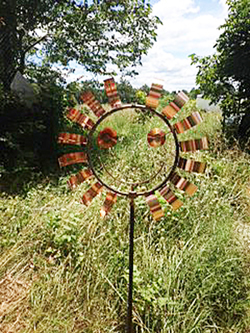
(35,43)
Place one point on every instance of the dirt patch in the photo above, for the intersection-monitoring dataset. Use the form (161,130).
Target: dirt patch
(13,304)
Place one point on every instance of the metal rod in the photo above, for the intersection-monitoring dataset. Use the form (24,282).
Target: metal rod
(131,264)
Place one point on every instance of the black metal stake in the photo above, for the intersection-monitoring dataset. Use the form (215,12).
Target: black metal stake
(131,261)
(132,194)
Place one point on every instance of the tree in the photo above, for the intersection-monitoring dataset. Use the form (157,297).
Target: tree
(193,93)
(126,91)
(145,88)
(233,45)
(225,76)
(95,33)
(28,135)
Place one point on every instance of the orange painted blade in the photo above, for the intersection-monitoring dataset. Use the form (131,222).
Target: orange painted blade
(111,91)
(72,139)
(183,184)
(79,178)
(191,121)
(191,165)
(92,192)
(88,98)
(155,207)
(154,95)
(171,198)
(193,145)
(80,118)
(110,200)
(72,158)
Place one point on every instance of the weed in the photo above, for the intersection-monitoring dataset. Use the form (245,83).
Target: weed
(190,269)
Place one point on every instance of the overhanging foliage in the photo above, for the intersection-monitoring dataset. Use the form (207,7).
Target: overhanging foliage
(94,33)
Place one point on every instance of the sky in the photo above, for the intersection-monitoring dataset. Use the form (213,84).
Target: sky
(189,26)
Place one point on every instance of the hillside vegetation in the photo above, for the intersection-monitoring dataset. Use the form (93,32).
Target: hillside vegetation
(64,269)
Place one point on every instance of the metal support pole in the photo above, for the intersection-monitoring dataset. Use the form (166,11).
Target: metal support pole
(131,262)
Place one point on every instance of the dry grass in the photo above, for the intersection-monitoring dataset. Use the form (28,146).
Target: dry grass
(14,300)
(63,269)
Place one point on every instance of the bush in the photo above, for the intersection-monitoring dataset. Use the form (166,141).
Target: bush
(28,133)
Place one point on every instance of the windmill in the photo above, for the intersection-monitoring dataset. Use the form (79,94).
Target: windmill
(160,140)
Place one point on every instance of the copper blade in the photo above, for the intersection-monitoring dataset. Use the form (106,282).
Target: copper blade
(80,118)
(111,91)
(72,139)
(191,121)
(171,198)
(110,200)
(88,98)
(191,165)
(193,145)
(155,207)
(183,184)
(72,158)
(92,192)
(154,95)
(181,99)
(79,178)
(170,110)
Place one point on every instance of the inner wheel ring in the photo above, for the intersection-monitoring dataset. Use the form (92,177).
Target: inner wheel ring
(132,193)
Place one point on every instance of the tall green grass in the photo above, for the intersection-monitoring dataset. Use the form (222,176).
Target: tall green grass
(191,272)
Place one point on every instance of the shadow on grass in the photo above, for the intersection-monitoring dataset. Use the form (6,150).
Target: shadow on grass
(19,182)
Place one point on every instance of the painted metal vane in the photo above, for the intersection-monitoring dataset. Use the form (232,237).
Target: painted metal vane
(107,138)
(156,137)
(163,148)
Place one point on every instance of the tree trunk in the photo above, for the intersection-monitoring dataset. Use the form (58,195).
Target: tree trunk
(8,43)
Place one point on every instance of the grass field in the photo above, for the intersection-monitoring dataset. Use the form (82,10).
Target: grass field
(64,269)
